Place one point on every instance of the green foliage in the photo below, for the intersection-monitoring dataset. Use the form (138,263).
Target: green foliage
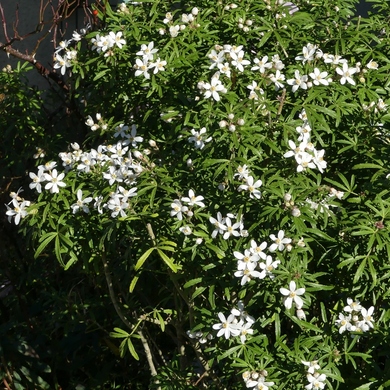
(157,213)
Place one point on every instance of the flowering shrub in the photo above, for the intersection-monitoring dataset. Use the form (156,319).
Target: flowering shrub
(235,182)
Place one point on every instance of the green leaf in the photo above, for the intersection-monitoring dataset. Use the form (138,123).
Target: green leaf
(132,349)
(143,258)
(168,261)
(119,333)
(367,166)
(219,252)
(45,241)
(229,352)
(133,283)
(192,282)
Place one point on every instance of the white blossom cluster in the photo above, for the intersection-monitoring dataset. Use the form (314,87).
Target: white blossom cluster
(179,209)
(19,207)
(47,174)
(378,106)
(183,21)
(255,263)
(147,61)
(238,323)
(256,380)
(100,124)
(68,54)
(305,154)
(105,43)
(117,164)
(355,318)
(316,379)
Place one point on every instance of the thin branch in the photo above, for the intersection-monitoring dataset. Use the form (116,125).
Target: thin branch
(148,354)
(3,23)
(112,293)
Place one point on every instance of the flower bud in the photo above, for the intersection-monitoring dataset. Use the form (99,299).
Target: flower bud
(194,11)
(301,314)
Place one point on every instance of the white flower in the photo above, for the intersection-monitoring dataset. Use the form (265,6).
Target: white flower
(251,187)
(241,313)
(352,306)
(225,69)
(133,138)
(298,81)
(174,31)
(186,230)
(372,65)
(313,366)
(219,225)
(142,67)
(213,88)
(104,43)
(316,381)
(258,249)
(198,138)
(216,58)
(193,200)
(178,209)
(259,383)
(277,79)
(253,91)
(346,72)
(231,230)
(158,65)
(147,51)
(344,323)
(76,36)
(117,39)
(54,181)
(245,259)
(262,65)
(304,160)
(319,77)
(308,53)
(37,180)
(319,159)
(227,327)
(292,295)
(242,172)
(238,60)
(117,207)
(279,242)
(367,317)
(62,63)
(248,273)
(81,203)
(304,135)
(18,212)
(244,330)
(268,267)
